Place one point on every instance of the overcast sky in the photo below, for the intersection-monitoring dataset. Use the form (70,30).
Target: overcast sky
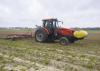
(28,13)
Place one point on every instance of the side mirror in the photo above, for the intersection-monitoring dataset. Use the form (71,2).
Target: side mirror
(61,21)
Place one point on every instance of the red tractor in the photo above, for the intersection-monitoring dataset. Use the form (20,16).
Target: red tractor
(50,31)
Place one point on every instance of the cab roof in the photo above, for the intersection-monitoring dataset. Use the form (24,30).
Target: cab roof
(50,19)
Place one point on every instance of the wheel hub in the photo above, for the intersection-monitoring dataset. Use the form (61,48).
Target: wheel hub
(39,37)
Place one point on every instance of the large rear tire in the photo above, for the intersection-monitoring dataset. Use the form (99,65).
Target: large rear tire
(40,36)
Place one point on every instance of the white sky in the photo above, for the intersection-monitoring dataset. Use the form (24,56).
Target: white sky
(28,13)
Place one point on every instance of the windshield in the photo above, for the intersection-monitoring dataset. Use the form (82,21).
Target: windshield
(52,24)
(59,24)
(56,24)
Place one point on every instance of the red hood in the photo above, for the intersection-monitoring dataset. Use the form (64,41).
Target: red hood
(65,31)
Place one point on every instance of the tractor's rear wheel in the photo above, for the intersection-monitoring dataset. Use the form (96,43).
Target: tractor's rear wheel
(40,36)
(64,41)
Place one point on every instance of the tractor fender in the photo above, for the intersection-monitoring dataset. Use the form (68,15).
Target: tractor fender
(46,31)
(42,29)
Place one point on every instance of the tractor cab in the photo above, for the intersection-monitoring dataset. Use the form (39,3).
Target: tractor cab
(50,24)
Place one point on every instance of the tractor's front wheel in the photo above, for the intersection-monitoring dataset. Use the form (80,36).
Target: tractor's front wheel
(64,41)
(40,36)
